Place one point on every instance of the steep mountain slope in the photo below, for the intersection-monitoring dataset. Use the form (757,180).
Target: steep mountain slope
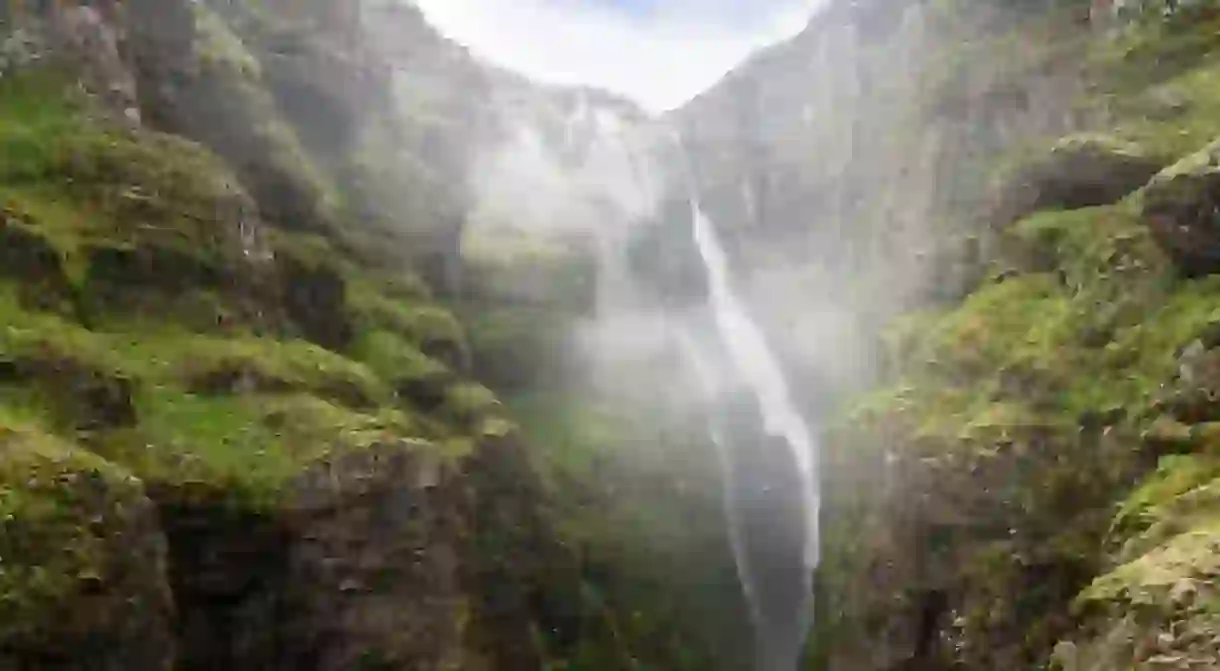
(249,289)
(1023,184)
(240,421)
(236,432)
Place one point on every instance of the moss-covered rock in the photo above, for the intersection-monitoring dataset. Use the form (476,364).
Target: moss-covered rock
(198,80)
(417,379)
(1034,400)
(83,583)
(1075,172)
(28,256)
(428,327)
(124,224)
(315,298)
(250,447)
(1180,207)
(1158,611)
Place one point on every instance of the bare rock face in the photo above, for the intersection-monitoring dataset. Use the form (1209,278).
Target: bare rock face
(364,566)
(1182,209)
(373,578)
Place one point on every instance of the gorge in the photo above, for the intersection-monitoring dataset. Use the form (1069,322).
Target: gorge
(327,344)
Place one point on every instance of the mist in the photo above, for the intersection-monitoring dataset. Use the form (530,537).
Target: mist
(697,336)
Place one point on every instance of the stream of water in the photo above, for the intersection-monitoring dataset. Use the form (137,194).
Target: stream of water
(767,453)
(770,463)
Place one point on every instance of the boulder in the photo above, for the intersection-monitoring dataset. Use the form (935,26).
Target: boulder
(1076,172)
(1182,210)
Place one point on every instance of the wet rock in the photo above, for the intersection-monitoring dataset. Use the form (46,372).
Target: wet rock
(1182,210)
(28,256)
(315,298)
(1078,171)
(227,571)
(83,582)
(374,565)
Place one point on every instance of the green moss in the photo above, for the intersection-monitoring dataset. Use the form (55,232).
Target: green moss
(234,113)
(48,341)
(98,184)
(248,446)
(1150,578)
(130,216)
(36,109)
(1035,392)
(1175,475)
(219,49)
(476,407)
(1158,85)
(59,507)
(220,365)
(399,362)
(1093,245)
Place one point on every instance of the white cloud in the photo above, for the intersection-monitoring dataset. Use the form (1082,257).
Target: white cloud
(660,57)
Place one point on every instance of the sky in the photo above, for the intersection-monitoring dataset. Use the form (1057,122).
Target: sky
(660,53)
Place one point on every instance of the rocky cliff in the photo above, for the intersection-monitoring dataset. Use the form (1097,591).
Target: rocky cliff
(1023,187)
(251,296)
(238,428)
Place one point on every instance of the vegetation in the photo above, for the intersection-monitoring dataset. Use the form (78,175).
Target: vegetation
(1067,385)
(159,339)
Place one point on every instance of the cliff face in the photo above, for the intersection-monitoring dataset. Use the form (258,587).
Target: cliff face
(1020,183)
(848,167)
(238,430)
(249,293)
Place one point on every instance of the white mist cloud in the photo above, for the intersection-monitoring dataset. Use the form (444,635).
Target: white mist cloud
(659,53)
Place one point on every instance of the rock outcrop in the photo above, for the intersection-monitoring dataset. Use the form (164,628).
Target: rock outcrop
(1077,171)
(1180,206)
(1072,382)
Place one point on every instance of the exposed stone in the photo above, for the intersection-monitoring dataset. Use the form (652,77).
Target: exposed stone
(1182,209)
(83,582)
(1076,172)
(315,297)
(373,568)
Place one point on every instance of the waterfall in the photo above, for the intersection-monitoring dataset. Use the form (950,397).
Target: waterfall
(766,452)
(766,500)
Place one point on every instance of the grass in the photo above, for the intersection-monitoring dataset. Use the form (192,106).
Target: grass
(1156,84)
(94,192)
(398,361)
(226,365)
(250,447)
(187,360)
(1035,391)
(429,327)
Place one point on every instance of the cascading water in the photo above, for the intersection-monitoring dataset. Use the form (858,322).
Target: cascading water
(766,451)
(770,465)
